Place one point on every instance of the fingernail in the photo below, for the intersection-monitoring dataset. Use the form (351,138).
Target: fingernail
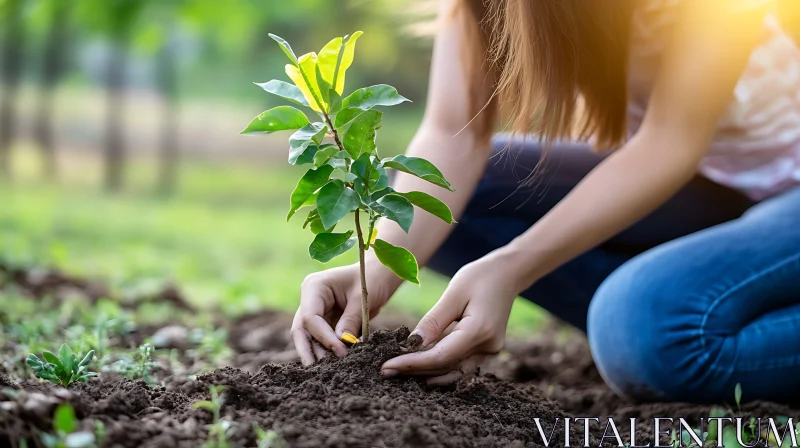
(348,338)
(388,373)
(416,339)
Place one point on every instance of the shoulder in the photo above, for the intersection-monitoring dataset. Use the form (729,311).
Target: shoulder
(654,20)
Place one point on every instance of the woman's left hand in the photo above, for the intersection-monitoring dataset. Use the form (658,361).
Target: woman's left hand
(478,299)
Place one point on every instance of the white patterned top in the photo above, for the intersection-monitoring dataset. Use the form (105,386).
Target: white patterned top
(756,149)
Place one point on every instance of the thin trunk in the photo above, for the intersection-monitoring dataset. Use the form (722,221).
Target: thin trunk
(169,152)
(52,69)
(13,41)
(114,139)
(362,267)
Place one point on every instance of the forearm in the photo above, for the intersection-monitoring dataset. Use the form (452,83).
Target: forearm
(462,161)
(623,189)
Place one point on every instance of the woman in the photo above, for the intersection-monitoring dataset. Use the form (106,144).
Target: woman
(678,253)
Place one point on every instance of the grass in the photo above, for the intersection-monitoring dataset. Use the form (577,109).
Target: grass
(223,238)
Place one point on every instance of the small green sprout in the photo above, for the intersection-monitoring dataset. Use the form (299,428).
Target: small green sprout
(63,369)
(268,439)
(212,345)
(219,428)
(137,369)
(64,425)
(347,175)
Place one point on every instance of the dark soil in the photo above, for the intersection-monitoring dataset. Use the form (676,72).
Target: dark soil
(345,403)
(335,403)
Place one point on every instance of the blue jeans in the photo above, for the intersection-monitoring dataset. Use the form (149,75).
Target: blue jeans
(701,294)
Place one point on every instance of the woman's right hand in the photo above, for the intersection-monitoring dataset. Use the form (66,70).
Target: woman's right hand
(332,299)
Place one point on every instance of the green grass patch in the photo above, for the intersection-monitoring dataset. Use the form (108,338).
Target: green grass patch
(224,239)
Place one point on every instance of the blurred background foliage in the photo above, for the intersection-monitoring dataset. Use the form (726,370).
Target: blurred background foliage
(120,157)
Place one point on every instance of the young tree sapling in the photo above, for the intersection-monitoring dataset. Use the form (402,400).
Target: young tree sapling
(346,175)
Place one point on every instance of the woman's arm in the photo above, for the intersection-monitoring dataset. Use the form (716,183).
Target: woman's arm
(713,41)
(711,46)
(446,140)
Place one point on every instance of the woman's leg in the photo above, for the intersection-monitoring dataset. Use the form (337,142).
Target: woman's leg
(502,208)
(693,317)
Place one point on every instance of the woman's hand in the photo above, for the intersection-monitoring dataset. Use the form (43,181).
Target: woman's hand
(332,299)
(478,299)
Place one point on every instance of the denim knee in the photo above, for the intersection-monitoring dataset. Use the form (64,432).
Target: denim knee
(640,336)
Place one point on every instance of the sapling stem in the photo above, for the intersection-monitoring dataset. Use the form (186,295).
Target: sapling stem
(361,246)
(362,267)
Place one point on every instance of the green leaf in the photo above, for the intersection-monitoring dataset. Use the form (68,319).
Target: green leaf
(335,58)
(52,359)
(339,160)
(64,419)
(418,167)
(36,364)
(345,116)
(316,227)
(285,47)
(281,118)
(327,246)
(315,222)
(63,353)
(335,201)
(87,359)
(729,438)
(284,90)
(397,208)
(308,154)
(363,170)
(398,259)
(430,204)
(325,153)
(70,365)
(381,193)
(303,138)
(204,404)
(374,96)
(311,181)
(359,134)
(334,102)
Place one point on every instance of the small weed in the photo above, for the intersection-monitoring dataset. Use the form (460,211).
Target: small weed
(268,439)
(64,425)
(212,345)
(218,430)
(63,369)
(136,369)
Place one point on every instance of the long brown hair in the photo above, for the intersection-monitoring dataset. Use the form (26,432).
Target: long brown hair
(559,66)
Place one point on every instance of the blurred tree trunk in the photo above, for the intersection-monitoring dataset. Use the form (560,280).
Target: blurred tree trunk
(169,150)
(53,65)
(12,53)
(114,138)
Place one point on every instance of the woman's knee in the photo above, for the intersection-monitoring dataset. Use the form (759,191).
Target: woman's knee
(640,333)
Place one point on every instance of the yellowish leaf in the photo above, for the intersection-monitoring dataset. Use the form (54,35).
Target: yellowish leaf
(374,235)
(329,56)
(308,83)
